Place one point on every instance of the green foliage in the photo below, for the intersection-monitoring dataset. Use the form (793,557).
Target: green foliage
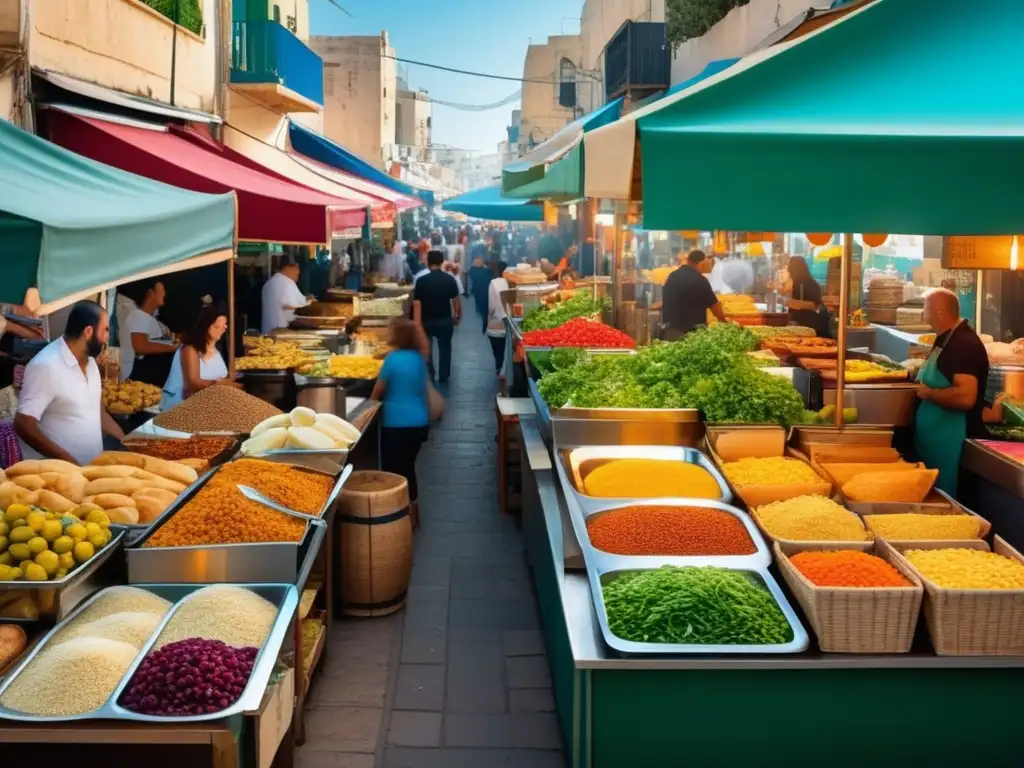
(707,370)
(190,12)
(579,305)
(686,19)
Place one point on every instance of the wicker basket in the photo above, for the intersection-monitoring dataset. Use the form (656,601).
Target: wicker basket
(858,619)
(375,544)
(972,622)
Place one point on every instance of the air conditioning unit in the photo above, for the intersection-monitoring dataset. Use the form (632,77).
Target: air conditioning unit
(637,61)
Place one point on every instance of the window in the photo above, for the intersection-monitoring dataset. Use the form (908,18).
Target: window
(567,84)
(277,14)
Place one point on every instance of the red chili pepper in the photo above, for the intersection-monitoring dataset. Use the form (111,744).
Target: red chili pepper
(579,332)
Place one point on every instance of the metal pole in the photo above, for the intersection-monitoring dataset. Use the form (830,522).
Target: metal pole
(844,310)
(174,45)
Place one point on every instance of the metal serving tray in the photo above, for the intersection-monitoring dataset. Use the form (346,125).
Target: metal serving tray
(569,460)
(608,561)
(285,596)
(598,577)
(52,598)
(265,562)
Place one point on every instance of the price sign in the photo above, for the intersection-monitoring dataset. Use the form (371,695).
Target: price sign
(978,252)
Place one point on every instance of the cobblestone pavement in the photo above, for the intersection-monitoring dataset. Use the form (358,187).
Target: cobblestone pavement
(460,678)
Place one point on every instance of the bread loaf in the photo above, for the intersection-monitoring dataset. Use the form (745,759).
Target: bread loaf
(11,493)
(113,501)
(98,473)
(30,482)
(199,465)
(120,458)
(172,470)
(165,497)
(13,641)
(149,508)
(150,480)
(123,485)
(124,516)
(38,467)
(70,486)
(54,502)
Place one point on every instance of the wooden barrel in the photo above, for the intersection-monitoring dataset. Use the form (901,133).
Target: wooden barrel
(375,544)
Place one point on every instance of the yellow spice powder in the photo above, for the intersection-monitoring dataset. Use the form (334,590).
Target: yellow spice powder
(967,568)
(918,527)
(810,518)
(774,470)
(650,478)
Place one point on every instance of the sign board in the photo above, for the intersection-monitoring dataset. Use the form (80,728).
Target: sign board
(982,252)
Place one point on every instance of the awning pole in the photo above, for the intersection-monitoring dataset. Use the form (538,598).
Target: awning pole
(844,310)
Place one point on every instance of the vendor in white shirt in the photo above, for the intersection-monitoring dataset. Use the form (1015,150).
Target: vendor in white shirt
(143,357)
(60,414)
(281,297)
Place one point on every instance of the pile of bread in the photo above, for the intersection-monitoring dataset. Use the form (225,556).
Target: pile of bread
(131,488)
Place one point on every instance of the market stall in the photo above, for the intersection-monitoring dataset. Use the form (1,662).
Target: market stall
(631,631)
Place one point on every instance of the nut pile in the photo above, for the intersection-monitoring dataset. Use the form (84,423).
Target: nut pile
(217,409)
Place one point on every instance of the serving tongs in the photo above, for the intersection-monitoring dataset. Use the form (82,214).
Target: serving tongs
(253,495)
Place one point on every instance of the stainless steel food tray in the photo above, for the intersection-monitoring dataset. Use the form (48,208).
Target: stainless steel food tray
(285,596)
(52,598)
(264,562)
(759,560)
(798,643)
(569,460)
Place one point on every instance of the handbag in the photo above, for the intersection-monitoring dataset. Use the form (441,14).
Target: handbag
(435,403)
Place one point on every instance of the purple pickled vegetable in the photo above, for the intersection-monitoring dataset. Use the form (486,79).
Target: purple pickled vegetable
(189,677)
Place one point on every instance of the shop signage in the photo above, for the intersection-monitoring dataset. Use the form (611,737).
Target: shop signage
(690,234)
(980,252)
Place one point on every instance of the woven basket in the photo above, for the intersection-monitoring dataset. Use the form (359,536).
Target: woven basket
(375,544)
(858,619)
(789,546)
(972,622)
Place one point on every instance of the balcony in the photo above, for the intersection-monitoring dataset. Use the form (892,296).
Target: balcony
(271,65)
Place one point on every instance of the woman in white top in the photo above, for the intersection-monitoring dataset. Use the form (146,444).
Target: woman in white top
(143,358)
(198,364)
(496,315)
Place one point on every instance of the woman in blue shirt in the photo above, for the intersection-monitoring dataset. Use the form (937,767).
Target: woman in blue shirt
(402,390)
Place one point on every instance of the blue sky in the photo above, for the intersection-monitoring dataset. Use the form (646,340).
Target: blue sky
(477,35)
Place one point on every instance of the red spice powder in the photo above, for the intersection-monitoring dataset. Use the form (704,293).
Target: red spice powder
(671,531)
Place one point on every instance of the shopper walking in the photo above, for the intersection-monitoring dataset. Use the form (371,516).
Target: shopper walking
(402,388)
(436,305)
(495,323)
(480,276)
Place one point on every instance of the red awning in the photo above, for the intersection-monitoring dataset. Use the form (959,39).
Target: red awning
(269,209)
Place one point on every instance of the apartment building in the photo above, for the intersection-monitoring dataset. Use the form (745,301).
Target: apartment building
(413,118)
(360,93)
(550,74)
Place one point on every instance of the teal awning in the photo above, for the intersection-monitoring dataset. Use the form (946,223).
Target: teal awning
(69,224)
(902,116)
(554,170)
(488,203)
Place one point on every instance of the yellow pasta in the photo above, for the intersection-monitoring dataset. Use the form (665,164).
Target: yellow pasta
(919,527)
(967,568)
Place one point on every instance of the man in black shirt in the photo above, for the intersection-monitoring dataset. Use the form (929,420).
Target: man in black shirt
(436,305)
(687,297)
(951,388)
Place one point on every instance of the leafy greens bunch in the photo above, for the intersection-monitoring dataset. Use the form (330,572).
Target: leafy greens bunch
(708,370)
(579,305)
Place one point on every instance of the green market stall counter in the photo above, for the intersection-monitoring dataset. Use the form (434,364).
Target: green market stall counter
(801,709)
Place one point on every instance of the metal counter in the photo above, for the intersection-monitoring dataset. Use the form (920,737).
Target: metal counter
(547,512)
